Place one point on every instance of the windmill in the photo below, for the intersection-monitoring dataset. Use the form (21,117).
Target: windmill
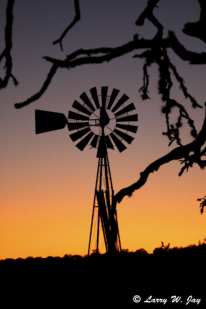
(102,122)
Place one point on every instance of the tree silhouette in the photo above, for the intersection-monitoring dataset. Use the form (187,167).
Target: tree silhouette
(156,52)
(6,53)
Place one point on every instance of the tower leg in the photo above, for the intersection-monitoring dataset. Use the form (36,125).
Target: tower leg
(103,203)
(94,205)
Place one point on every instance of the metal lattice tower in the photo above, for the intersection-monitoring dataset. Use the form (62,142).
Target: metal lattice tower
(105,207)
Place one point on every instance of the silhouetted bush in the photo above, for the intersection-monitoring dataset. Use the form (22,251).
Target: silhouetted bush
(169,271)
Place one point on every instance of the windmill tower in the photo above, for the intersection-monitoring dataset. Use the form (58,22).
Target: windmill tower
(97,121)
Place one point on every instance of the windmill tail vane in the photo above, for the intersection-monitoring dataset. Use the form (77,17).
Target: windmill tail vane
(102,122)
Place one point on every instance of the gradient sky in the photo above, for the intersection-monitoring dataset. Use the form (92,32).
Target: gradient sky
(47,184)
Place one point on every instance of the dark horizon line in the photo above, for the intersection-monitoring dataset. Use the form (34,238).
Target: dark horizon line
(142,252)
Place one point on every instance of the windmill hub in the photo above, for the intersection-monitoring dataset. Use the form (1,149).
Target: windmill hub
(96,122)
(104,118)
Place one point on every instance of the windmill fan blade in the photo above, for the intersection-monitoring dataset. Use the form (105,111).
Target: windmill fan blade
(127,118)
(77,125)
(83,143)
(94,141)
(127,109)
(87,101)
(113,97)
(76,116)
(108,142)
(49,121)
(126,137)
(118,143)
(104,95)
(95,96)
(121,101)
(79,134)
(127,127)
(81,108)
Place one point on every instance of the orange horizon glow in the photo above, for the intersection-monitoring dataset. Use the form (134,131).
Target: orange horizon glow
(47,229)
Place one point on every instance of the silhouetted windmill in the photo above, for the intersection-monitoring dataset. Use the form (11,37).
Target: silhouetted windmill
(97,123)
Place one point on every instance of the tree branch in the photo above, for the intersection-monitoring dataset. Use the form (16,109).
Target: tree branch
(148,13)
(183,53)
(42,90)
(176,154)
(197,29)
(108,54)
(75,20)
(6,53)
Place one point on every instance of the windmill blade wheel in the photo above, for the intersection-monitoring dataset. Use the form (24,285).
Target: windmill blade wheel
(106,114)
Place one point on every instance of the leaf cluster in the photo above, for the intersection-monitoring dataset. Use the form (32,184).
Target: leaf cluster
(202,205)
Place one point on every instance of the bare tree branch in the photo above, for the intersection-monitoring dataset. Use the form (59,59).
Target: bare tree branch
(107,54)
(75,20)
(148,13)
(6,53)
(184,54)
(42,90)
(176,154)
(182,86)
(197,29)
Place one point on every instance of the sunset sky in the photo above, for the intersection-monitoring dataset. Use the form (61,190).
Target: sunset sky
(47,184)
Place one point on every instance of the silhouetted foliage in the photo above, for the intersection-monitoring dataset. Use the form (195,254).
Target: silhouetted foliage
(111,279)
(161,249)
(140,252)
(202,204)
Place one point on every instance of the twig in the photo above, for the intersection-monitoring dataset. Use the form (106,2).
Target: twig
(41,91)
(75,20)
